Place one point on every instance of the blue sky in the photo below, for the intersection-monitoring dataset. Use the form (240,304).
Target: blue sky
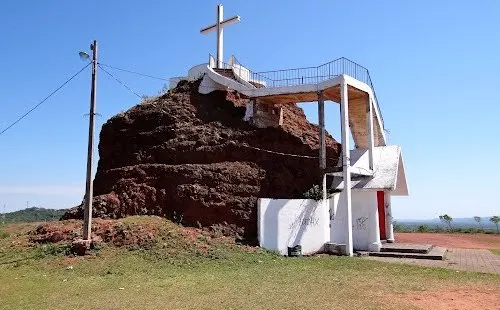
(435,66)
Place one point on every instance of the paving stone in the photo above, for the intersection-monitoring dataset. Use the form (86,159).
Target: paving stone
(458,259)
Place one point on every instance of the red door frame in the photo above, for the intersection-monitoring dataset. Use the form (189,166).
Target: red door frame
(381,214)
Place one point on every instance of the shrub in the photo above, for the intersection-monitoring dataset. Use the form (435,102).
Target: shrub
(51,249)
(315,193)
(4,235)
(423,229)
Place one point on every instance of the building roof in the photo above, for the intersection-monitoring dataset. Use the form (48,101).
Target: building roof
(388,171)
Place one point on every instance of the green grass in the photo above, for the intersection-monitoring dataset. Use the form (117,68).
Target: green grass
(497,252)
(227,277)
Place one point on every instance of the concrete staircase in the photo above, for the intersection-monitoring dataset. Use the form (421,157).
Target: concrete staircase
(408,250)
(226,73)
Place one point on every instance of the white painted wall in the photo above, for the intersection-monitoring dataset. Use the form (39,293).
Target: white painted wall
(194,73)
(289,222)
(175,80)
(365,229)
(197,72)
(338,219)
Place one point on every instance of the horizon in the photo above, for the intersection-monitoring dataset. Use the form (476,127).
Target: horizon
(420,71)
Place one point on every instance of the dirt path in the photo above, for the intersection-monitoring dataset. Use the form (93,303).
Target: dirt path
(463,241)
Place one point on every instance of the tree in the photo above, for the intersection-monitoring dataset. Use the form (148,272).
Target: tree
(495,219)
(478,220)
(445,218)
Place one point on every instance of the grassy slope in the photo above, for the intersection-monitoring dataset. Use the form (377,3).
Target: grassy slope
(232,277)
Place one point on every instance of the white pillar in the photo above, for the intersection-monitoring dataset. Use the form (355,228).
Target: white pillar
(322,142)
(346,161)
(374,244)
(369,131)
(389,228)
(220,36)
(321,123)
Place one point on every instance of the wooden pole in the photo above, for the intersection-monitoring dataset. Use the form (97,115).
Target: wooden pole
(87,225)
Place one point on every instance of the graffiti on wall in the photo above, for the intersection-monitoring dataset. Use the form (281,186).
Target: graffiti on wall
(361,223)
(305,222)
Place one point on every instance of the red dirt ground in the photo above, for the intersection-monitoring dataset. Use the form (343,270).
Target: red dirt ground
(455,299)
(463,241)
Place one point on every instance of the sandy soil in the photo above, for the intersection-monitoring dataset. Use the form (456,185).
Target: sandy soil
(464,241)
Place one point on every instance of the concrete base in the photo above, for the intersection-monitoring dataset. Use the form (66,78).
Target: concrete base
(80,247)
(437,253)
(407,248)
(375,247)
(335,248)
(265,115)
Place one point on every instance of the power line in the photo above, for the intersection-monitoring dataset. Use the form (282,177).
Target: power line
(280,153)
(41,102)
(120,82)
(134,72)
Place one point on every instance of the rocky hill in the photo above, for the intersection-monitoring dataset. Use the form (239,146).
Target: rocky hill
(186,156)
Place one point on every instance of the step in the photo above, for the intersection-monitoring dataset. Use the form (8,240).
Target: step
(406,248)
(437,253)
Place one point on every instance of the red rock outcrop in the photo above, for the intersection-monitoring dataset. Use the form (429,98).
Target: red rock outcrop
(184,156)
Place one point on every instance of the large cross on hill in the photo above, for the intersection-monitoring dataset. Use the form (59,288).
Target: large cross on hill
(219,26)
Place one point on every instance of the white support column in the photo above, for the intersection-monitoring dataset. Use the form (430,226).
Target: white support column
(369,131)
(322,142)
(346,161)
(322,133)
(374,244)
(220,36)
(389,229)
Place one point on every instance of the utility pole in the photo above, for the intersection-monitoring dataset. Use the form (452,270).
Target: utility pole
(87,217)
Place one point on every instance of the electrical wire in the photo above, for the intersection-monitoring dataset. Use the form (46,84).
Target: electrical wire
(133,72)
(120,82)
(280,153)
(41,102)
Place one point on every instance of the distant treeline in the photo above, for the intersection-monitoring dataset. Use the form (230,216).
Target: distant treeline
(431,226)
(32,215)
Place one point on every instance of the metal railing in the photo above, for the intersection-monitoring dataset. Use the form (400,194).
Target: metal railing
(309,75)
(242,72)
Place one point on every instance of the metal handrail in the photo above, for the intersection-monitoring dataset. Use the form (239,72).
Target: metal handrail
(314,75)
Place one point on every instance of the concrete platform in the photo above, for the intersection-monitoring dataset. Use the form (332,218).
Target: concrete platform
(436,253)
(478,260)
(406,248)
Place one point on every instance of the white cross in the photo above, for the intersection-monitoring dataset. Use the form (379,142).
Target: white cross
(219,26)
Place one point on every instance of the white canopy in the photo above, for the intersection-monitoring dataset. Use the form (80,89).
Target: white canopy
(388,171)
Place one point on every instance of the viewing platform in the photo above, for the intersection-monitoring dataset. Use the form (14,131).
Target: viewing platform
(292,86)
